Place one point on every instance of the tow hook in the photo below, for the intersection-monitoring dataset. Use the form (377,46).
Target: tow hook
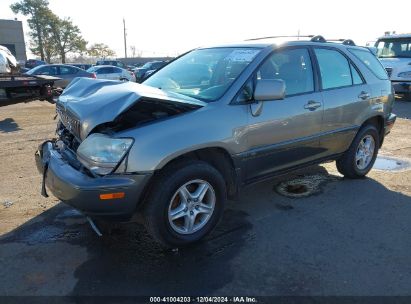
(94,226)
(45,158)
(43,183)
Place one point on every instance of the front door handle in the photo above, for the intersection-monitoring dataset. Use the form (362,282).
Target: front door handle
(312,105)
(364,95)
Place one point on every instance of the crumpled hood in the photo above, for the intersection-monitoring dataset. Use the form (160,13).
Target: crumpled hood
(94,101)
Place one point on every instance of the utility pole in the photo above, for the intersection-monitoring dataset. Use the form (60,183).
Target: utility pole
(125,38)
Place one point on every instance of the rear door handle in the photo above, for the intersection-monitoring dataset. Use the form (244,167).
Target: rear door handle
(312,105)
(364,95)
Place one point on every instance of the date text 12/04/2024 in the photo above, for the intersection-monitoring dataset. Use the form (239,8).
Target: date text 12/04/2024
(239,299)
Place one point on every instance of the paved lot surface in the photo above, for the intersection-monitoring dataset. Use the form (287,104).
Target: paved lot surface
(348,238)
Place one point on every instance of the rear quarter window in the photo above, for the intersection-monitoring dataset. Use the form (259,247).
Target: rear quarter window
(334,69)
(371,62)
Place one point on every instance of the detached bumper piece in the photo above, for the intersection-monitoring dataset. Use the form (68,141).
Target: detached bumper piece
(113,197)
(389,123)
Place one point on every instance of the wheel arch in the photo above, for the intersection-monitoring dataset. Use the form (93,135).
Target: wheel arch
(377,121)
(217,157)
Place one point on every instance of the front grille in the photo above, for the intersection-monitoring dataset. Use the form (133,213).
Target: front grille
(71,123)
(389,71)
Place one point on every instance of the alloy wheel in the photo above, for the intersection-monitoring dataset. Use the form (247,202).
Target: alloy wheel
(365,152)
(191,206)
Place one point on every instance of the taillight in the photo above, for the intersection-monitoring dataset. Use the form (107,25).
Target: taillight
(132,74)
(93,75)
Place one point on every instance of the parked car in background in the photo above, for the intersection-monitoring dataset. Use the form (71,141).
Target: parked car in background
(66,72)
(394,52)
(32,63)
(112,73)
(174,150)
(147,69)
(84,66)
(112,62)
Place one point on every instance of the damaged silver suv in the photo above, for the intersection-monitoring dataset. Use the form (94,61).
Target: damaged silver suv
(176,147)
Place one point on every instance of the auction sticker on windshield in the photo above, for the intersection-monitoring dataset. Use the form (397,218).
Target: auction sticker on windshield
(242,55)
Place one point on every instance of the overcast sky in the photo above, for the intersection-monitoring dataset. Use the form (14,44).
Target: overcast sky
(168,27)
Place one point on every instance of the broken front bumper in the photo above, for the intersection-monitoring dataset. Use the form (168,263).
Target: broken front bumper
(389,123)
(84,192)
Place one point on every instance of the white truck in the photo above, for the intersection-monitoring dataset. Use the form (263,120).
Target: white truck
(394,52)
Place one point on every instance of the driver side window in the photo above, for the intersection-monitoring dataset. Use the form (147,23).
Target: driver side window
(293,66)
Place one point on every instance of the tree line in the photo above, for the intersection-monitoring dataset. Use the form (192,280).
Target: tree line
(52,36)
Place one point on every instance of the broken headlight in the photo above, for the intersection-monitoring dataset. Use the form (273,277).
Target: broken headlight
(101,154)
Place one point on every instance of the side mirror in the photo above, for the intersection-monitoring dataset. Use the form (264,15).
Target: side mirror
(269,89)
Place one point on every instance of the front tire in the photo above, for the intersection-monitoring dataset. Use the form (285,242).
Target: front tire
(185,203)
(358,160)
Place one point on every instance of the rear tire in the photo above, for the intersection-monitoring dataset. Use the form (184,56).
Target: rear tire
(358,160)
(176,193)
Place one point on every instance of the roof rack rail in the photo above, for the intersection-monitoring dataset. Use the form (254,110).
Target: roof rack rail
(287,36)
(313,38)
(349,42)
(320,38)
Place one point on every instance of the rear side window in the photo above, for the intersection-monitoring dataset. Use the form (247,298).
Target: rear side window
(334,69)
(293,66)
(67,70)
(49,70)
(371,62)
(110,70)
(103,71)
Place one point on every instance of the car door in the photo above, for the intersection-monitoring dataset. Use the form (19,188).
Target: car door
(345,95)
(286,132)
(51,70)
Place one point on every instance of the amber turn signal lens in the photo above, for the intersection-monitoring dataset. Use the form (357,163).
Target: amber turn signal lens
(107,196)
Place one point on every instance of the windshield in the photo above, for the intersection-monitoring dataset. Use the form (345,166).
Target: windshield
(394,48)
(92,69)
(205,74)
(34,70)
(147,65)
